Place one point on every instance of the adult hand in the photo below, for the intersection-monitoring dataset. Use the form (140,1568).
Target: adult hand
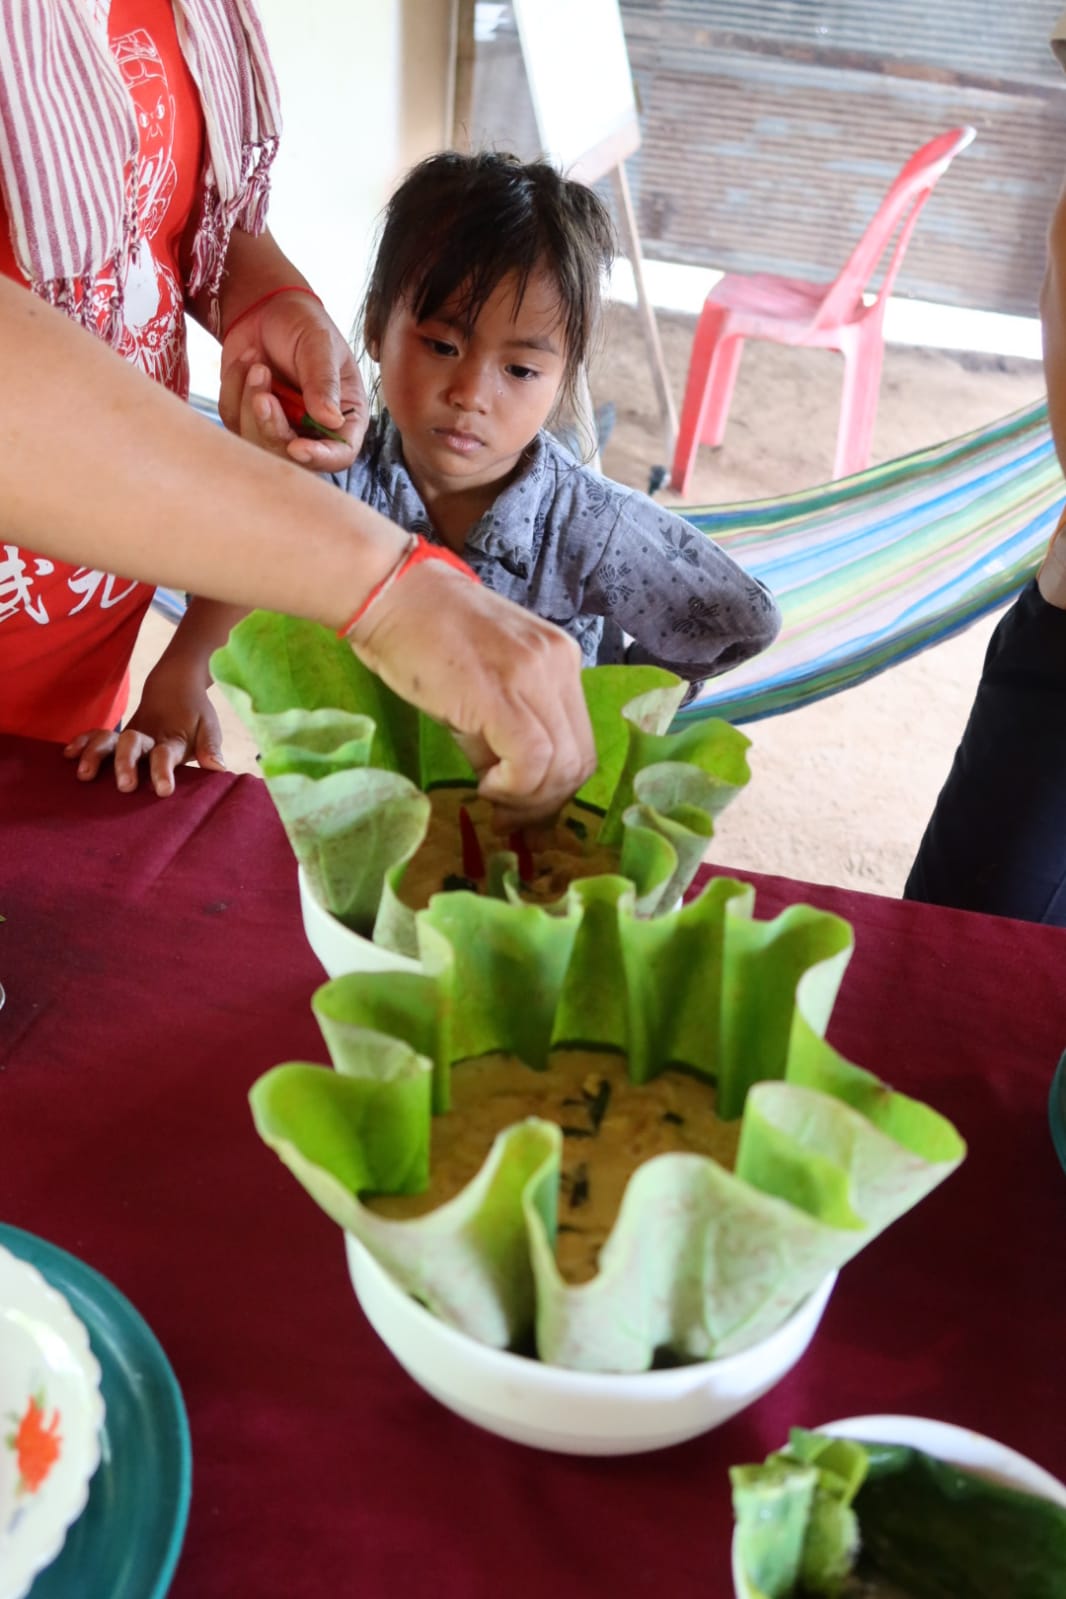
(505,681)
(291,334)
(174,723)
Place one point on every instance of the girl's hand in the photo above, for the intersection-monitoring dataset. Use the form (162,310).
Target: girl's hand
(299,344)
(262,420)
(174,723)
(506,682)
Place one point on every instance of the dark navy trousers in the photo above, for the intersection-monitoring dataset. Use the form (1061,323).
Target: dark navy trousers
(996,840)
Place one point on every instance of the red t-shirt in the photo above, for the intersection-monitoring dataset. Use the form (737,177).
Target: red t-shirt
(67,632)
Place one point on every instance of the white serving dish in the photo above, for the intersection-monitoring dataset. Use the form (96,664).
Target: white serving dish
(573,1412)
(956,1445)
(337,947)
(52,1412)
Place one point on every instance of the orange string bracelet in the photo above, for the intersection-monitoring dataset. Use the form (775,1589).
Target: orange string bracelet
(285,288)
(418,549)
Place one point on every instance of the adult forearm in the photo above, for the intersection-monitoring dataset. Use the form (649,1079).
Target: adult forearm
(255,264)
(1053,321)
(101,467)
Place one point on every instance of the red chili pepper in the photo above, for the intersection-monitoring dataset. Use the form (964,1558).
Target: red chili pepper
(296,414)
(473,860)
(526,867)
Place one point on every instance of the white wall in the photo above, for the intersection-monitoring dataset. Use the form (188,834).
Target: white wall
(366,90)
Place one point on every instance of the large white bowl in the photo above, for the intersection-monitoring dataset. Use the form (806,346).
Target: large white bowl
(49,1389)
(573,1412)
(956,1445)
(337,947)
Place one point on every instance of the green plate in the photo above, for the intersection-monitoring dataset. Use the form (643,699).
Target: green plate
(126,1542)
(1057,1110)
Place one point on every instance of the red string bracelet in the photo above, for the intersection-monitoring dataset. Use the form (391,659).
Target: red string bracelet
(285,288)
(418,549)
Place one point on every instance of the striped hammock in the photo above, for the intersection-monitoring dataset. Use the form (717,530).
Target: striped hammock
(871,569)
(874,568)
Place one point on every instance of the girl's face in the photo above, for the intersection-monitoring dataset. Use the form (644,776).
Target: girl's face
(465,406)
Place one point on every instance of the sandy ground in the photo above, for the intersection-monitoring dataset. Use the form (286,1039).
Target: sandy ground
(841,790)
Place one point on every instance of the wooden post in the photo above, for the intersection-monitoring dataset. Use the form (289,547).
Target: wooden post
(649,326)
(463,89)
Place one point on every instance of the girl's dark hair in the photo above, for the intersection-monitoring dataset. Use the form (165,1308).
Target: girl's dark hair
(458,224)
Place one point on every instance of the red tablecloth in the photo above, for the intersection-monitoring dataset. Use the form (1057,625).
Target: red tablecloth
(155,965)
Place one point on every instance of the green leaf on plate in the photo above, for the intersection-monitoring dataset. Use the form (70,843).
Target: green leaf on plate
(826,1508)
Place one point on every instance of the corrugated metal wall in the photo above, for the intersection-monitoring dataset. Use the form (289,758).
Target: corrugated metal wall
(772,128)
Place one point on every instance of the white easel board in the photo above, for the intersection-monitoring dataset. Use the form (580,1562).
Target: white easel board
(580,83)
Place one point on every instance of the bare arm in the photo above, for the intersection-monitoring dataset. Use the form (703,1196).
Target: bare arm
(95,459)
(175,720)
(255,264)
(1053,320)
(91,453)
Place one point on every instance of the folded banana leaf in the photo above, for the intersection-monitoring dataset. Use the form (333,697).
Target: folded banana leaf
(701,1261)
(834,1517)
(348,764)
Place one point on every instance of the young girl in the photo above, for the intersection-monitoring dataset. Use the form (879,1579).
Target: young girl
(480,313)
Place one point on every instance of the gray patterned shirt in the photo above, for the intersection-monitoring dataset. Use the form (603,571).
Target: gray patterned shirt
(600,560)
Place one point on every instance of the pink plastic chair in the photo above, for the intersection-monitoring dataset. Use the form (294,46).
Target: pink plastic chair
(829,316)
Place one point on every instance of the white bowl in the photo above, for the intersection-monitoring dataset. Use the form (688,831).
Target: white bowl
(337,947)
(573,1412)
(956,1445)
(52,1414)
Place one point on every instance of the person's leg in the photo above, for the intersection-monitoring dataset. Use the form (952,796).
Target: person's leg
(996,840)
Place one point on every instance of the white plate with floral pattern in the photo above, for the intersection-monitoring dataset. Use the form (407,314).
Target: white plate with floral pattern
(51,1415)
